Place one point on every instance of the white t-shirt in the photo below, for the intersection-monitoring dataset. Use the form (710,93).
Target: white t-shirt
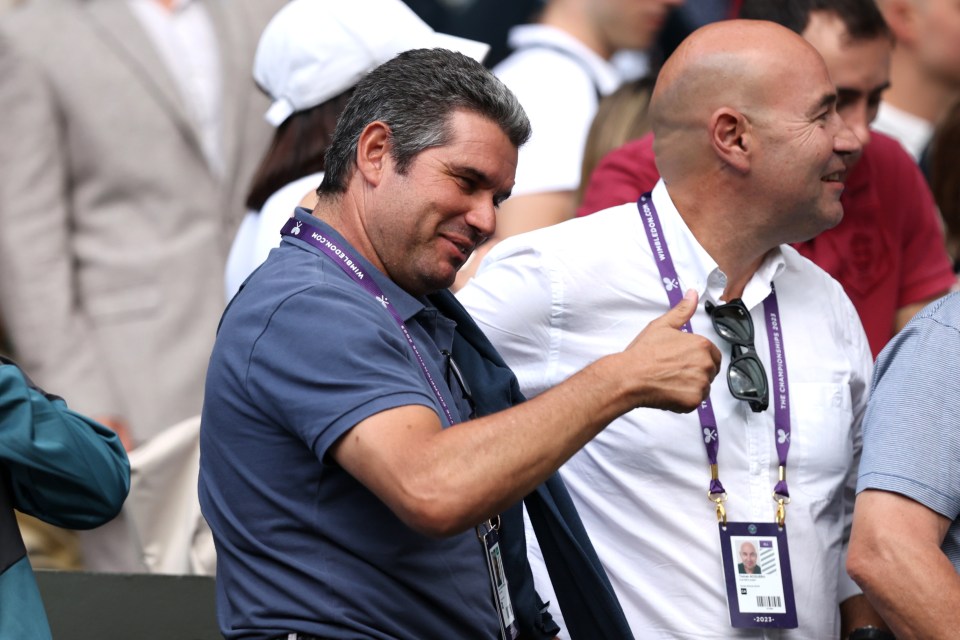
(554,300)
(260,231)
(556,79)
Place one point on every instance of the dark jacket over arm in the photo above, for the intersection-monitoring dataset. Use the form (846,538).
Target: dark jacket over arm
(590,606)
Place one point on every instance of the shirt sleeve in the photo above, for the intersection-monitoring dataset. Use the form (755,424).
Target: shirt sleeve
(622,176)
(911,440)
(64,468)
(320,378)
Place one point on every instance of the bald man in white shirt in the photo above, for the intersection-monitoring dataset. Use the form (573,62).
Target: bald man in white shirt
(753,153)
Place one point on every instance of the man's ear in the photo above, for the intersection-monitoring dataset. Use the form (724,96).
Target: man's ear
(730,137)
(901,17)
(373,151)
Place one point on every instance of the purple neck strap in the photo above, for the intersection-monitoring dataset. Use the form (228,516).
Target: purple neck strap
(778,358)
(314,236)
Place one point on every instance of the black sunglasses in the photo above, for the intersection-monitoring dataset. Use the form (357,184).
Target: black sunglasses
(746,376)
(453,373)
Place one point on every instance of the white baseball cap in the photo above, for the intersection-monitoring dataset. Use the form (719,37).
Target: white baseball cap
(313,50)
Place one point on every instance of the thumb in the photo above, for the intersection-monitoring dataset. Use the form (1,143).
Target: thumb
(684,310)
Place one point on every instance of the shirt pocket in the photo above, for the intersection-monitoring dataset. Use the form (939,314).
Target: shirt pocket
(821,447)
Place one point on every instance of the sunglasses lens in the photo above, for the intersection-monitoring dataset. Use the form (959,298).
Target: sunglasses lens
(747,379)
(733,324)
(745,375)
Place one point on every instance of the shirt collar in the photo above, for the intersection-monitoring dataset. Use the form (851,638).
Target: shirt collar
(175,6)
(405,304)
(605,74)
(696,269)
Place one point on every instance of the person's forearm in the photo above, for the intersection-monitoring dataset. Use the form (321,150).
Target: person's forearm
(443,481)
(917,596)
(896,559)
(479,456)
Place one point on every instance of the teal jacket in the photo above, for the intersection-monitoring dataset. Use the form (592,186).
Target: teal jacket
(58,466)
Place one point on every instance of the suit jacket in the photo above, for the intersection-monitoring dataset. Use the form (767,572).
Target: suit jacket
(114,231)
(586,597)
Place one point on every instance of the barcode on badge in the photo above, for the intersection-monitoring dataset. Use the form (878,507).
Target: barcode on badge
(769,601)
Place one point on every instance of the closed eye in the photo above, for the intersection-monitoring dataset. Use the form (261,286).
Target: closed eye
(468,185)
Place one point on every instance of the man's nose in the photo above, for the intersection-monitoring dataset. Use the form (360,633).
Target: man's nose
(847,142)
(859,122)
(483,217)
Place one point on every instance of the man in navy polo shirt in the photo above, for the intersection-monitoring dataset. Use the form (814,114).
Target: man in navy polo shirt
(359,472)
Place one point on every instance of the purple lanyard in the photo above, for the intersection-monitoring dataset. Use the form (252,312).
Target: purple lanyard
(778,360)
(314,236)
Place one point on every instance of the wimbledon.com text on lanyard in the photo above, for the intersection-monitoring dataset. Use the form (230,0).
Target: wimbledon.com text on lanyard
(486,531)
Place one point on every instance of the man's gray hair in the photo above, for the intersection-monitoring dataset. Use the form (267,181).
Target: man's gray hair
(415,94)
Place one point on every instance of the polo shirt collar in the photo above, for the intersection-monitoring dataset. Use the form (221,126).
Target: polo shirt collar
(695,267)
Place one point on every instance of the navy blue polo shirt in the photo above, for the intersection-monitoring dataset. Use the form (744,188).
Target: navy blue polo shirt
(302,355)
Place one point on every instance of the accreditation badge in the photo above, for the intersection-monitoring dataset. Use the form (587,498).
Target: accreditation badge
(498,580)
(756,568)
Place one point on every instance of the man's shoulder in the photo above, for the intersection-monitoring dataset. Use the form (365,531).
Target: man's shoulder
(592,234)
(574,252)
(290,274)
(537,42)
(885,180)
(547,56)
(885,154)
(539,69)
(806,275)
(42,25)
(944,312)
(910,131)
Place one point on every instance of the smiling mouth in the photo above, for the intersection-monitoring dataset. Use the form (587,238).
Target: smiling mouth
(836,176)
(463,247)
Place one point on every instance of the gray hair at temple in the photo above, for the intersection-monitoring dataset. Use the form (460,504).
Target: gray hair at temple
(415,94)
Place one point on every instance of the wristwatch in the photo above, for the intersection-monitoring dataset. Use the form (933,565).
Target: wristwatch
(870,633)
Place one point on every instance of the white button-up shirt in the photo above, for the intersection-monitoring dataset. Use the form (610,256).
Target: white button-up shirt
(555,300)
